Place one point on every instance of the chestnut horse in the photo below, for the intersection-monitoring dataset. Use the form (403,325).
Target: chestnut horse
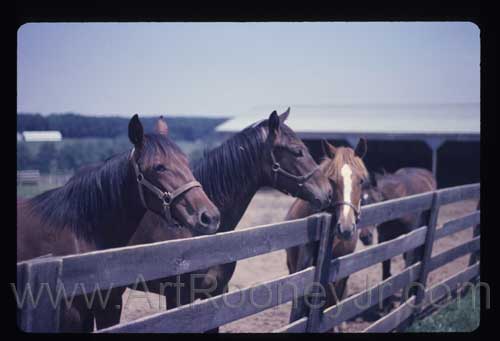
(404,182)
(347,173)
(103,207)
(268,153)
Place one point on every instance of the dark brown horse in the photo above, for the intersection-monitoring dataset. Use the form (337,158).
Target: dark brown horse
(404,182)
(268,153)
(102,207)
(347,173)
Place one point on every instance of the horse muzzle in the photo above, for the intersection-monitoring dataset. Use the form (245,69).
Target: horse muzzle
(345,233)
(207,223)
(366,239)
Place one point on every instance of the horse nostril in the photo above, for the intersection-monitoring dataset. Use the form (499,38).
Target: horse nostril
(367,240)
(344,234)
(317,203)
(205,218)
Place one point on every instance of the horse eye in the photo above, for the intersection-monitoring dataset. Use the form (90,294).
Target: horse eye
(297,152)
(160,168)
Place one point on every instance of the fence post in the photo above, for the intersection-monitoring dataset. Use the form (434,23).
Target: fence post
(40,310)
(425,259)
(305,259)
(322,273)
(474,257)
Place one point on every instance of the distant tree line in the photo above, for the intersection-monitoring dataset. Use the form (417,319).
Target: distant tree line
(88,140)
(67,155)
(77,126)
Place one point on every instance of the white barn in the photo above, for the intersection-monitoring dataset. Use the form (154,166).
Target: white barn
(42,136)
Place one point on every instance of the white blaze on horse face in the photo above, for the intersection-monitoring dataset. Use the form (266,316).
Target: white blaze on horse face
(346,173)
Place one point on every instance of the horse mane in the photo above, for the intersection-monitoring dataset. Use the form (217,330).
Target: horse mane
(231,165)
(88,199)
(82,202)
(343,155)
(235,163)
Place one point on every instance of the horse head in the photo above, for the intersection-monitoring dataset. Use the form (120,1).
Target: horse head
(288,165)
(165,183)
(347,173)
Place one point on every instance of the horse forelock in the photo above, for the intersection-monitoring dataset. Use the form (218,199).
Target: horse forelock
(160,145)
(332,168)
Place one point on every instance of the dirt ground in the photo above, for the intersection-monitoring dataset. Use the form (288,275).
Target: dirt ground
(262,268)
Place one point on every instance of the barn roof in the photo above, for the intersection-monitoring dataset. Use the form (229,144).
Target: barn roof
(39,136)
(394,121)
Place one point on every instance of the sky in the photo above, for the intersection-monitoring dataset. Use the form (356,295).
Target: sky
(227,69)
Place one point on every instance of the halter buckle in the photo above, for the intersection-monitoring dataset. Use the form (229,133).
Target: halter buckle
(140,177)
(275,167)
(166,198)
(358,216)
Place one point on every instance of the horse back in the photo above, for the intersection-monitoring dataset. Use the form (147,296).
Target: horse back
(417,180)
(35,239)
(405,182)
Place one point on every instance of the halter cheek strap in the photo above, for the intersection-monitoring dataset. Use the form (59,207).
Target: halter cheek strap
(166,197)
(300,180)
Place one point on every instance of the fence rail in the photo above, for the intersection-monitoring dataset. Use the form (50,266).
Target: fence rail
(82,273)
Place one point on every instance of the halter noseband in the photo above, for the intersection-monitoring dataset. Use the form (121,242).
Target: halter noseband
(357,211)
(166,197)
(300,180)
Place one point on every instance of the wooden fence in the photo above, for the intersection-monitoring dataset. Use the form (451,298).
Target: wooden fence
(82,273)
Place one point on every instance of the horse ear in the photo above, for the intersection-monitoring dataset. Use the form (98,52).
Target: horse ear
(161,126)
(328,149)
(274,123)
(284,116)
(361,148)
(378,177)
(135,131)
(382,171)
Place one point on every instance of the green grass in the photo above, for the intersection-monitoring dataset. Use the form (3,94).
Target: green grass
(29,191)
(45,183)
(461,315)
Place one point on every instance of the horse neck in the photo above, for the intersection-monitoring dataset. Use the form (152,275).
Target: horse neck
(231,214)
(237,198)
(119,227)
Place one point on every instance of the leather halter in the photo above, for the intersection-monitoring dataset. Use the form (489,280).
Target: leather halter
(357,211)
(300,180)
(167,198)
